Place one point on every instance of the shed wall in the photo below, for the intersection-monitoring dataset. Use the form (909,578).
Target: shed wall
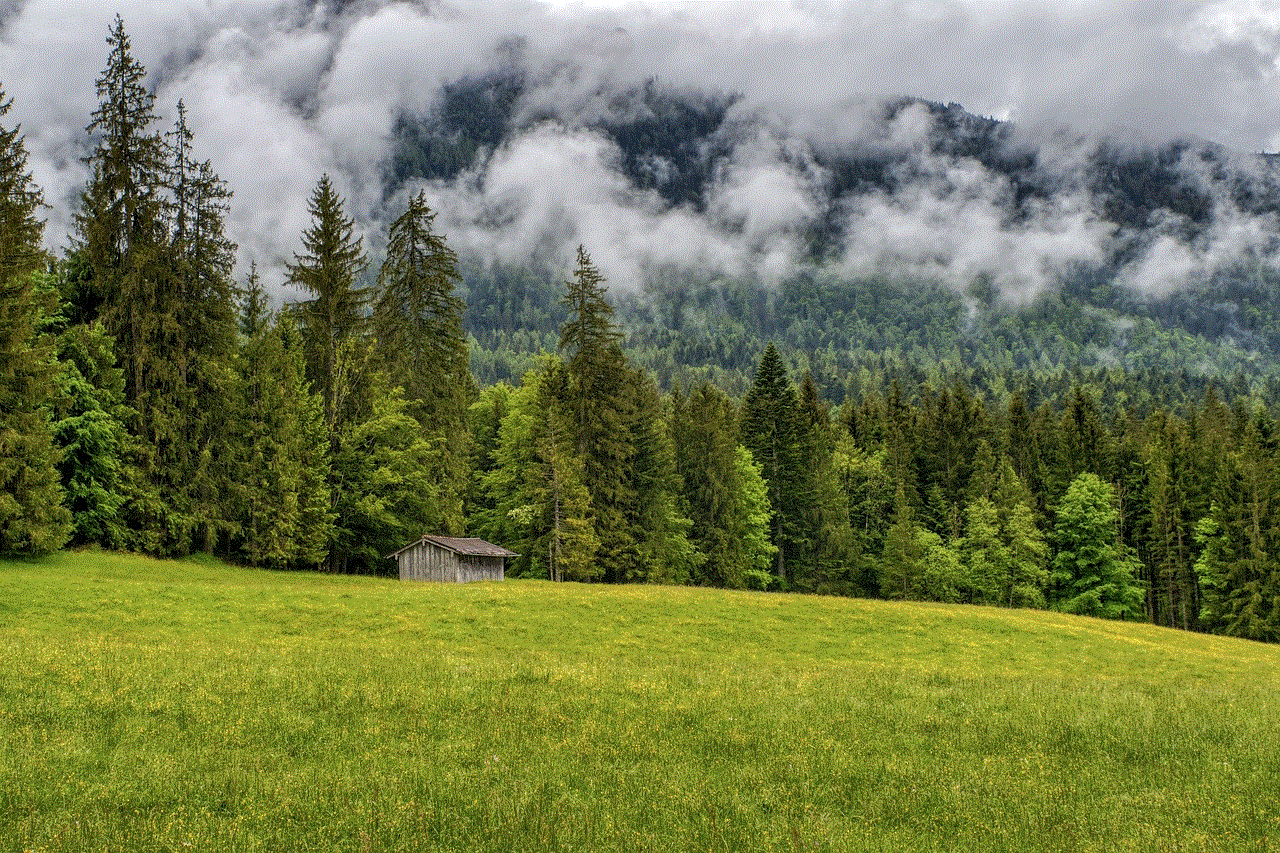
(427,562)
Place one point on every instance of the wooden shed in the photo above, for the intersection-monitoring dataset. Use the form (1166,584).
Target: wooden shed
(448,559)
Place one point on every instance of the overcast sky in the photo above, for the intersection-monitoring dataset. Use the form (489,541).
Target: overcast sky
(279,91)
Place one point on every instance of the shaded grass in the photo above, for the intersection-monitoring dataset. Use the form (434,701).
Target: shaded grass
(149,705)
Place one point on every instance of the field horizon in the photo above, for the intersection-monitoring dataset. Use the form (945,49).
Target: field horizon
(174,705)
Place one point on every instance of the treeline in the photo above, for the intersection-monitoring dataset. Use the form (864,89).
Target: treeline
(151,403)
(685,328)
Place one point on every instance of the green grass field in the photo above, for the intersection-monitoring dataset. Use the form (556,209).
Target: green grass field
(164,706)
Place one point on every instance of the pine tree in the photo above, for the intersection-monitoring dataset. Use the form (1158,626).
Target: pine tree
(417,323)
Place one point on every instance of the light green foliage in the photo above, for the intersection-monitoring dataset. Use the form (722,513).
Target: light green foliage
(752,529)
(942,575)
(89,429)
(870,492)
(185,706)
(904,552)
(1093,574)
(540,501)
(1003,550)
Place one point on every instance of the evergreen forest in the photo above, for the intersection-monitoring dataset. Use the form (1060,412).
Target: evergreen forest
(1090,452)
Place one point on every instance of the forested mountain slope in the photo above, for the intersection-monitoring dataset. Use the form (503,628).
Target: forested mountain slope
(927,237)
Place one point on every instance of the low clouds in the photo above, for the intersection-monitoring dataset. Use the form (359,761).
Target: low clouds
(954,222)
(280,91)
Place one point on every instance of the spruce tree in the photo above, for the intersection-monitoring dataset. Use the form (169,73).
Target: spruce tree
(152,260)
(1093,573)
(93,439)
(726,497)
(770,427)
(554,487)
(32,518)
(280,452)
(417,323)
(600,396)
(121,226)
(328,270)
(382,496)
(1238,568)
(828,540)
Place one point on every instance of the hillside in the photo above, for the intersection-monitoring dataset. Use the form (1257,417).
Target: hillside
(996,248)
(183,705)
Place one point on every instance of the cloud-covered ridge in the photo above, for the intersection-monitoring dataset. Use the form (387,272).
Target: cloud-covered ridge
(280,91)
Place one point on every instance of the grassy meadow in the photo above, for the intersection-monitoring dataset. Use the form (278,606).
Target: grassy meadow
(174,706)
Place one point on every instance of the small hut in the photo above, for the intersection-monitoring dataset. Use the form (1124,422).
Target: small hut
(448,559)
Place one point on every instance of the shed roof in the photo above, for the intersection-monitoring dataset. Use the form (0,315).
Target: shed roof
(468,546)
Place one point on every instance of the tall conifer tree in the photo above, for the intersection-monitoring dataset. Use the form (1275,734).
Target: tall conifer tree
(154,261)
(600,399)
(771,429)
(32,518)
(417,322)
(329,271)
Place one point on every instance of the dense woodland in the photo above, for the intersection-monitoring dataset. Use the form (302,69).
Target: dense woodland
(150,400)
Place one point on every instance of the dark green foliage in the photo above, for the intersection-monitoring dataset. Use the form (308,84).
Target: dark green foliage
(727,499)
(830,545)
(1239,566)
(417,324)
(32,518)
(152,260)
(770,427)
(254,305)
(328,271)
(598,396)
(382,493)
(280,451)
